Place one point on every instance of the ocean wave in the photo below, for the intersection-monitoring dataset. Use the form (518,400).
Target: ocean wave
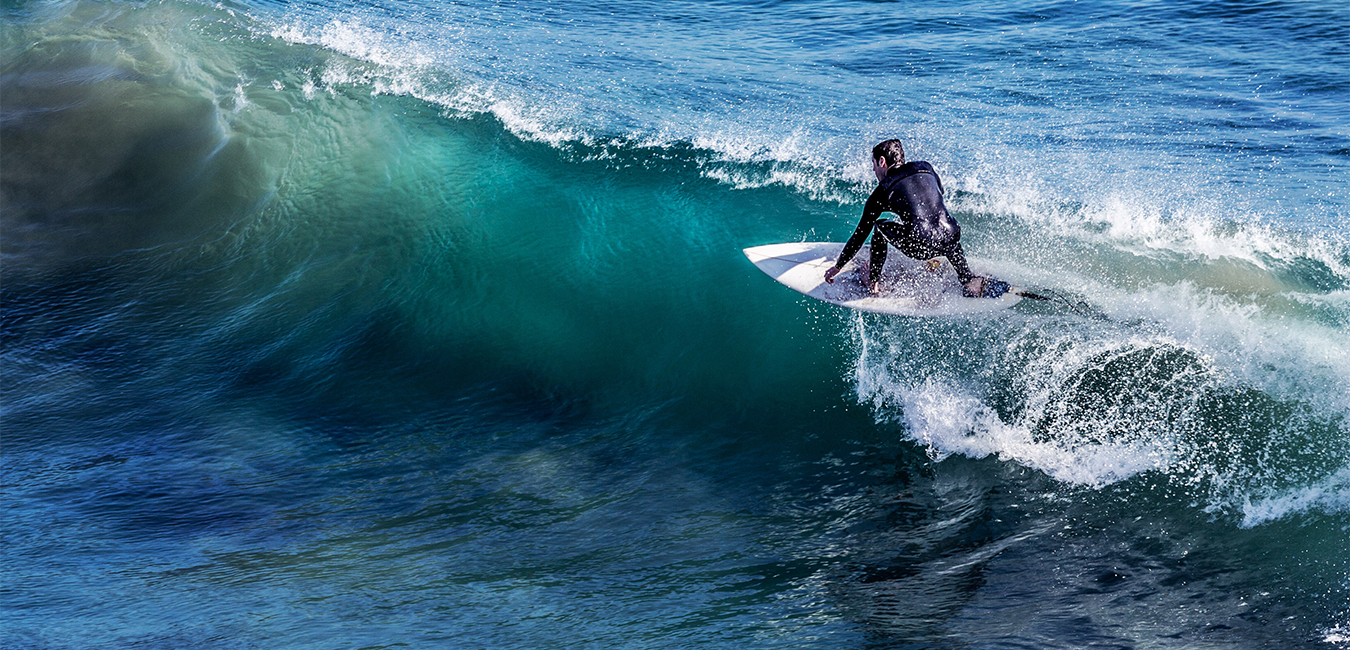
(1201,300)
(1207,299)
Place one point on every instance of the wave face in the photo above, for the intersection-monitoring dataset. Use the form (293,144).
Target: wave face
(427,323)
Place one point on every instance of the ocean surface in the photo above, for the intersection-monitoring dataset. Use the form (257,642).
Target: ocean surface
(334,324)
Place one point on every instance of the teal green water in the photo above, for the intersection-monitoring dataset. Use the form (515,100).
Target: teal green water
(317,335)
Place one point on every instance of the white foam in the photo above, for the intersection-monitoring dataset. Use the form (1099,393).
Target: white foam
(1200,233)
(817,186)
(951,418)
(1338,636)
(951,421)
(389,66)
(1207,343)
(354,39)
(1285,356)
(1331,496)
(240,98)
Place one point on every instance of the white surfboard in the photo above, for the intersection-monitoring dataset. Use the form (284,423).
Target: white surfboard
(908,287)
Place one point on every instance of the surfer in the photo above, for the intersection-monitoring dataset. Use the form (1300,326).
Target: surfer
(924,231)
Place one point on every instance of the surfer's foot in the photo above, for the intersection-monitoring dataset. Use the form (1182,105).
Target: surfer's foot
(875,288)
(975,288)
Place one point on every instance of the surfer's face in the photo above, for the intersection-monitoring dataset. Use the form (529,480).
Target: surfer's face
(879,168)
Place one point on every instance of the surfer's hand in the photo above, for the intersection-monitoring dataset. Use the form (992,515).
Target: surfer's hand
(830,273)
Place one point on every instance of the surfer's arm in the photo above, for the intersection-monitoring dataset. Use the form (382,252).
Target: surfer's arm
(855,243)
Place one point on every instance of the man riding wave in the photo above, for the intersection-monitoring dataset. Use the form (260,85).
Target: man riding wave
(924,229)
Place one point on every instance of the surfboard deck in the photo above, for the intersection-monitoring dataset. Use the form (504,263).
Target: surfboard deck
(908,287)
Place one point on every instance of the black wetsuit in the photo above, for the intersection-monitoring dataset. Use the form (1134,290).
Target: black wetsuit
(913,192)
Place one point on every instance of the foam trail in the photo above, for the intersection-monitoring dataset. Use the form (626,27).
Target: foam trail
(1330,496)
(949,421)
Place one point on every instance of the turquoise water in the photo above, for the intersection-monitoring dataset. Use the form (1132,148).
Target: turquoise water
(426,324)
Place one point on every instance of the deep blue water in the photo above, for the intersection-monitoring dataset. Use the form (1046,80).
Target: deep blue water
(425,324)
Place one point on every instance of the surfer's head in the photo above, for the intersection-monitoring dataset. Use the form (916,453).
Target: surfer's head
(887,154)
